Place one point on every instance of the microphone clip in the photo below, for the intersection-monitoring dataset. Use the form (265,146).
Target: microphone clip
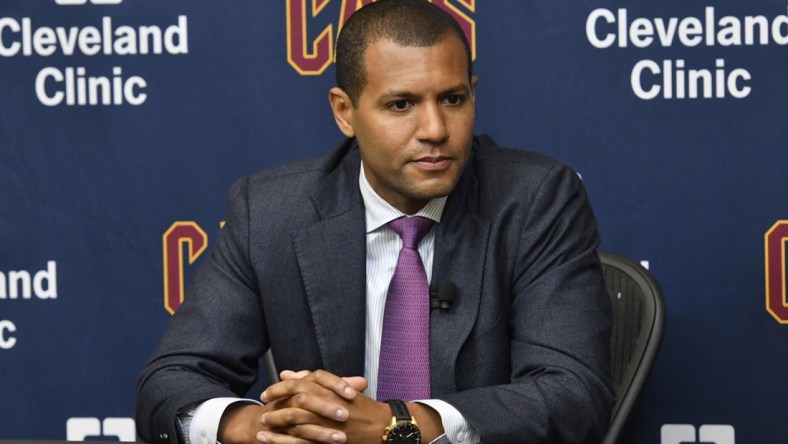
(443,298)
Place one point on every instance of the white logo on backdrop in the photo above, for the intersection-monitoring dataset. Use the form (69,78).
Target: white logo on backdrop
(685,433)
(77,429)
(7,341)
(78,85)
(687,77)
(23,285)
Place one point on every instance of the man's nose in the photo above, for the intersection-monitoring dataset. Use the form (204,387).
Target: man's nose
(432,124)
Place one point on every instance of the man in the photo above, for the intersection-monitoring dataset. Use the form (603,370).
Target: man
(517,349)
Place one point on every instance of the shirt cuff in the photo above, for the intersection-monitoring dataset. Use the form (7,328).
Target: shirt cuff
(457,430)
(200,424)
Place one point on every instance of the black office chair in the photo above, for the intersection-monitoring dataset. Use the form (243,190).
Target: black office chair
(270,367)
(638,325)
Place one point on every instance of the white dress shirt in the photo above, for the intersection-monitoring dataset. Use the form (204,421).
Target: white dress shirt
(201,425)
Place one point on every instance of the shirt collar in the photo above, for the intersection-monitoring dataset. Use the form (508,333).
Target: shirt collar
(378,212)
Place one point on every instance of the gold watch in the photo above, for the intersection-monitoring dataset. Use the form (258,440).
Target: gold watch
(403,428)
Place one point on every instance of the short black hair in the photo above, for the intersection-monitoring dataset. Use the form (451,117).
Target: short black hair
(407,22)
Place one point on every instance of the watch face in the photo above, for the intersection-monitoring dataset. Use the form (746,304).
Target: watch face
(404,433)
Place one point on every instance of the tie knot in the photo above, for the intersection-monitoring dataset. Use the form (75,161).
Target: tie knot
(411,229)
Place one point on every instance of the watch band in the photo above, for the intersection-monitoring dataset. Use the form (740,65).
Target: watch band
(399,409)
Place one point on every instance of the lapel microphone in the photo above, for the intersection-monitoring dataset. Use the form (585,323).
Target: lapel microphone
(445,295)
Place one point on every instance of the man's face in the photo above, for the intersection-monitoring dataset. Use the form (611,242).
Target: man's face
(413,120)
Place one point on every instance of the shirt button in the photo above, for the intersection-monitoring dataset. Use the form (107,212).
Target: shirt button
(460,437)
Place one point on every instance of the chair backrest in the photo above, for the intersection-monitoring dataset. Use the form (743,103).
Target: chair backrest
(270,367)
(638,325)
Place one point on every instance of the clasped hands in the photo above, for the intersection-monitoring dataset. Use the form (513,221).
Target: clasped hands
(308,407)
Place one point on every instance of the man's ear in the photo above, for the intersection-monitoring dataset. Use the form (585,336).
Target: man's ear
(342,107)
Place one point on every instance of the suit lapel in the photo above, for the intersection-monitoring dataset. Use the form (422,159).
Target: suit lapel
(332,258)
(460,251)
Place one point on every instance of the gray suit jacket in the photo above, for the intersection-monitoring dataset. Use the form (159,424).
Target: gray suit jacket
(522,353)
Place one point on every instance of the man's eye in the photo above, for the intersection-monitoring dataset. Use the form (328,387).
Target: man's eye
(453,99)
(399,105)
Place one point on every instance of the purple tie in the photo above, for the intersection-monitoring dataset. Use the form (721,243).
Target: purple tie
(404,369)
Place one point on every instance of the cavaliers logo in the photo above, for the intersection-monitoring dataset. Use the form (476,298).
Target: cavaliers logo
(312,55)
(775,241)
(182,241)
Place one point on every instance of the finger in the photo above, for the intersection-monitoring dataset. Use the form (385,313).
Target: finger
(269,437)
(286,375)
(303,409)
(290,374)
(291,387)
(309,384)
(359,383)
(308,432)
(334,383)
(281,389)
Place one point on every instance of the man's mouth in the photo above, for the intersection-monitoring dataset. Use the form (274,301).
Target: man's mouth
(435,163)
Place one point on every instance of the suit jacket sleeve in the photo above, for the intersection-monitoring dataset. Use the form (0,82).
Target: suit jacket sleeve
(558,314)
(202,355)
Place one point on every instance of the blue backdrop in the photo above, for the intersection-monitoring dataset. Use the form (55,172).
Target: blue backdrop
(123,123)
